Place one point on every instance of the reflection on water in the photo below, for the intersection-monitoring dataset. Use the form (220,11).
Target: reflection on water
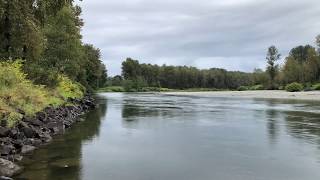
(156,136)
(62,158)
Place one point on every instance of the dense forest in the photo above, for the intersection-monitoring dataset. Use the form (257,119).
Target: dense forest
(45,34)
(43,61)
(302,65)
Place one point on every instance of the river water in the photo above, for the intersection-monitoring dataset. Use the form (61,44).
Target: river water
(166,137)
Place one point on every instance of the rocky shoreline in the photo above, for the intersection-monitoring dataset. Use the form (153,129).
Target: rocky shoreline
(31,133)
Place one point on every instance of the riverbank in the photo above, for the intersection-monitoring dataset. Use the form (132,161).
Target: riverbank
(263,94)
(31,133)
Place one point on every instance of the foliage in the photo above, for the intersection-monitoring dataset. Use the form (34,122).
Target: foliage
(112,89)
(46,34)
(302,65)
(316,87)
(294,87)
(19,95)
(273,55)
(257,87)
(68,89)
(180,77)
(243,88)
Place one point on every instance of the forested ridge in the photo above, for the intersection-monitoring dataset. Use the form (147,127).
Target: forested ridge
(302,65)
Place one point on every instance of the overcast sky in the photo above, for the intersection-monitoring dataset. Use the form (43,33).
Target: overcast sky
(230,34)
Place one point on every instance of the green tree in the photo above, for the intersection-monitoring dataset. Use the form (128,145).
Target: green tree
(20,34)
(64,52)
(318,42)
(273,56)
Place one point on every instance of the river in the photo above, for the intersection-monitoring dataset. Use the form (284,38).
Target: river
(166,137)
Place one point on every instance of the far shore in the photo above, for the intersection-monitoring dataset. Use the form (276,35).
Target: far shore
(263,94)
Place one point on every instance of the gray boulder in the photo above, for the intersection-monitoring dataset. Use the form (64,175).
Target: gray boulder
(8,168)
(27,149)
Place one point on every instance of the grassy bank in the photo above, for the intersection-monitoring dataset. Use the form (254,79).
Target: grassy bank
(154,89)
(20,96)
(290,88)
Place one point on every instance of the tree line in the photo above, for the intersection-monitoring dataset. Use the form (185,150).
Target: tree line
(182,77)
(45,34)
(302,65)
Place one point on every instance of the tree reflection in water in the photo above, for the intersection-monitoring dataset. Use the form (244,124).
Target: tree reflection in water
(61,159)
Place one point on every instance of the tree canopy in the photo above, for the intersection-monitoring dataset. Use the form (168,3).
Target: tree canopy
(46,35)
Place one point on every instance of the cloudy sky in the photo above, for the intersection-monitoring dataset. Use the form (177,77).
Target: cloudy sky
(231,34)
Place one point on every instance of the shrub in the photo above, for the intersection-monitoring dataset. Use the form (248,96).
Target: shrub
(112,89)
(316,87)
(294,87)
(69,89)
(257,87)
(19,96)
(242,88)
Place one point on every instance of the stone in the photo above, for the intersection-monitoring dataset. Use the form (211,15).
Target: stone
(4,132)
(17,143)
(22,124)
(27,149)
(28,132)
(6,149)
(13,133)
(8,168)
(36,122)
(34,142)
(18,157)
(5,178)
(41,116)
(45,137)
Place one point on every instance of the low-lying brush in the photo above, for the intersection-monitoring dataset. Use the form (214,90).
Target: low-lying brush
(19,96)
(294,87)
(316,87)
(112,89)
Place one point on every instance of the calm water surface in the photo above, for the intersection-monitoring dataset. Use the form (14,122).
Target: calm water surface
(162,137)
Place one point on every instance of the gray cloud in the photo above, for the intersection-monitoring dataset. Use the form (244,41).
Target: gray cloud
(231,34)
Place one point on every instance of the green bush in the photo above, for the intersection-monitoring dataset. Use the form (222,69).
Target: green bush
(257,87)
(243,88)
(316,87)
(294,87)
(18,94)
(112,89)
(69,89)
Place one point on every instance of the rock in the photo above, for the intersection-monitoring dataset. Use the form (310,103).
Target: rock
(13,133)
(6,149)
(13,158)
(41,116)
(5,178)
(18,157)
(28,132)
(22,124)
(19,136)
(45,137)
(4,132)
(36,122)
(17,143)
(27,149)
(33,142)
(8,168)
(5,140)
(56,127)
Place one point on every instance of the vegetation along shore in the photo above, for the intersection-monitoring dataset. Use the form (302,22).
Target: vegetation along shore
(46,74)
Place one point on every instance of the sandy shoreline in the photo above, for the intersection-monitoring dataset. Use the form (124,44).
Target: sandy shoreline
(311,95)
